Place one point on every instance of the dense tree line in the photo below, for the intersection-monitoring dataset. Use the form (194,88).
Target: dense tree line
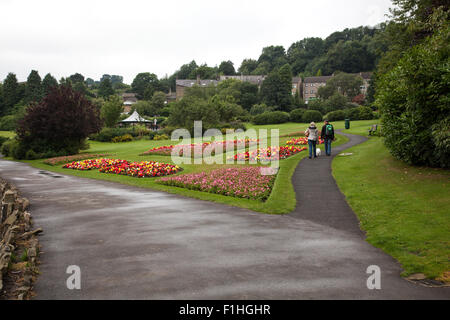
(412,81)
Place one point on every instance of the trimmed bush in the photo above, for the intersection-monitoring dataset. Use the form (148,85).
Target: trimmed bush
(335,115)
(275,117)
(125,138)
(297,115)
(160,137)
(365,113)
(312,116)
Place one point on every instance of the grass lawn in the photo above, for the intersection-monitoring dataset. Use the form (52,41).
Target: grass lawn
(281,201)
(403,209)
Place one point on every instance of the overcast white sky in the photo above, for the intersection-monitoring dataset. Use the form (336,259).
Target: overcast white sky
(127,37)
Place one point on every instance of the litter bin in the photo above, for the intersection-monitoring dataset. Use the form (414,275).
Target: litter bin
(347,124)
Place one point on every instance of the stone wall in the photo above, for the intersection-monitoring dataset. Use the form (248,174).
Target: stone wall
(19,246)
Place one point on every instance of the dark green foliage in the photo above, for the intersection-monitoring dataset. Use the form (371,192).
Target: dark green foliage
(275,117)
(33,89)
(336,115)
(111,110)
(259,109)
(77,77)
(184,112)
(145,84)
(414,100)
(365,113)
(3,140)
(227,68)
(297,115)
(11,93)
(48,83)
(343,83)
(312,116)
(105,89)
(441,138)
(276,89)
(249,95)
(108,134)
(248,66)
(8,123)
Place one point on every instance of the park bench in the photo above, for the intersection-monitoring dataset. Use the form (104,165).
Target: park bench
(373,129)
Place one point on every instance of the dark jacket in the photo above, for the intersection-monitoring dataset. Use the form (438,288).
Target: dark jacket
(324,130)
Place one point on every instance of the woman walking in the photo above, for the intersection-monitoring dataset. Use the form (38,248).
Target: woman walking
(313,137)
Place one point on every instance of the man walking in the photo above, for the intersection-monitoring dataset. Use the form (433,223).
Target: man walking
(328,136)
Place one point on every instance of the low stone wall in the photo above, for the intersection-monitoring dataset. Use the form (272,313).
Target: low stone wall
(19,246)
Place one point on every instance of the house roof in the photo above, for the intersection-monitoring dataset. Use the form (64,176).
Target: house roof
(322,79)
(245,78)
(296,79)
(191,83)
(128,95)
(365,75)
(135,117)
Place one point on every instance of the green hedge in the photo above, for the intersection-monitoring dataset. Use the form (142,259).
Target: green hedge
(297,115)
(312,116)
(275,117)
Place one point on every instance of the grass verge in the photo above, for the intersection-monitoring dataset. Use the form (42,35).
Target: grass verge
(403,209)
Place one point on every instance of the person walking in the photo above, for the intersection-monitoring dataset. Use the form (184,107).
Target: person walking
(328,136)
(313,137)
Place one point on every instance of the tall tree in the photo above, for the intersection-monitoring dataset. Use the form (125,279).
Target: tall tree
(11,92)
(58,124)
(33,89)
(275,56)
(227,68)
(275,90)
(48,83)
(105,89)
(186,70)
(77,77)
(144,81)
(248,66)
(111,110)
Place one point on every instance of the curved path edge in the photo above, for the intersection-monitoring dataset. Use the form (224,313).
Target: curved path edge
(134,243)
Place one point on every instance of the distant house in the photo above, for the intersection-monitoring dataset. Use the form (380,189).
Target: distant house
(311,85)
(128,100)
(258,80)
(171,96)
(181,85)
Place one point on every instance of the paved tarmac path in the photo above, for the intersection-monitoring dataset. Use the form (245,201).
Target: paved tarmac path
(133,243)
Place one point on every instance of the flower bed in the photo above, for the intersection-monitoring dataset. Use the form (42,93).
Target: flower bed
(302,142)
(167,150)
(141,169)
(267,154)
(240,182)
(76,157)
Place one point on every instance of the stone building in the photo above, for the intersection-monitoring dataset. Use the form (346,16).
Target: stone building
(258,80)
(181,85)
(128,100)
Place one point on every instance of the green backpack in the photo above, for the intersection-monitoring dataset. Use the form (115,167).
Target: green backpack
(329,130)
